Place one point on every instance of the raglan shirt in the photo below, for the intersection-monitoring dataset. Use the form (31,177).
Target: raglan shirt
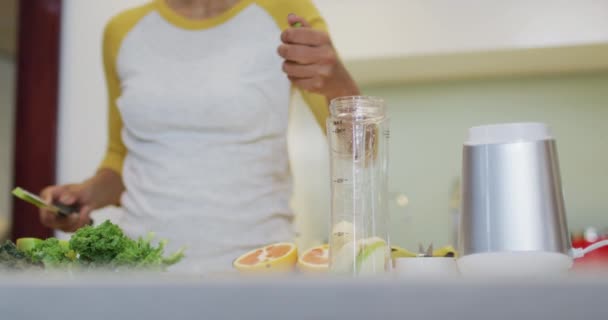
(198,113)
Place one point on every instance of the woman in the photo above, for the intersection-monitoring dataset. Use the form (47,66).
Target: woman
(198,119)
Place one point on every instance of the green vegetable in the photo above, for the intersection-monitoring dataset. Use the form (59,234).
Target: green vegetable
(174,258)
(52,253)
(26,244)
(99,245)
(142,254)
(12,258)
(106,245)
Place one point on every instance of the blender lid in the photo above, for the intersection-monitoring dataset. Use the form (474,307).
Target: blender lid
(508,133)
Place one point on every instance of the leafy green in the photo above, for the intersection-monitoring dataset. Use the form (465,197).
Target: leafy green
(175,257)
(12,258)
(142,254)
(104,246)
(52,253)
(99,245)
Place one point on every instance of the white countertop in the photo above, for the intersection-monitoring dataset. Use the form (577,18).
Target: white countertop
(174,297)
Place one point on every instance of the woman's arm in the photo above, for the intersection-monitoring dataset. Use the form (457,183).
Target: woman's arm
(101,190)
(311,62)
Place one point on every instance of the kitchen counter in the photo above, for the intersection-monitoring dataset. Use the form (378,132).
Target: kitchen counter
(178,297)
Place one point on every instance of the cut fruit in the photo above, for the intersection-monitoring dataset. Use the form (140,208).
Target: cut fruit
(397,252)
(343,261)
(373,256)
(447,251)
(278,257)
(341,234)
(27,244)
(315,260)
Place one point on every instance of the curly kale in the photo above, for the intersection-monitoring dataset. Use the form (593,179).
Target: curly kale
(99,245)
(52,253)
(12,258)
(106,245)
(142,254)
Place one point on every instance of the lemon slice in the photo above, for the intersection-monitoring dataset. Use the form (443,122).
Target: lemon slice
(314,260)
(342,233)
(447,251)
(343,260)
(279,257)
(398,252)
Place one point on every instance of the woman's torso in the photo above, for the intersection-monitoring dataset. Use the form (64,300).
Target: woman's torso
(205,115)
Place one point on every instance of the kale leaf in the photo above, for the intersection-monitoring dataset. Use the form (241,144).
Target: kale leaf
(99,245)
(52,253)
(12,258)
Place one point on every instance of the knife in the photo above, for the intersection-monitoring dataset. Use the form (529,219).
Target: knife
(56,207)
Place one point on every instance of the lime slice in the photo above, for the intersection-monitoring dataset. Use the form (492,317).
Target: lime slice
(27,244)
(372,257)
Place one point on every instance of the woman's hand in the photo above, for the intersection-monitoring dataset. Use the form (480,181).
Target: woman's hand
(311,62)
(102,190)
(78,195)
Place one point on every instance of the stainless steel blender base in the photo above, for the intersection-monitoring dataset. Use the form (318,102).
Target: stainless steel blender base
(512,199)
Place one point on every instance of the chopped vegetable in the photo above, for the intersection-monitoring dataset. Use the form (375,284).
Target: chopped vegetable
(12,258)
(99,245)
(52,253)
(26,244)
(142,254)
(105,246)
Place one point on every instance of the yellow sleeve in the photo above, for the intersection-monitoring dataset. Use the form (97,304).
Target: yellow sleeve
(279,9)
(114,32)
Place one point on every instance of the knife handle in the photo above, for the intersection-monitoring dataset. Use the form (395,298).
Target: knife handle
(66,210)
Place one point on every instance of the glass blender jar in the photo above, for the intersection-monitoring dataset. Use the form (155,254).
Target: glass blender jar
(358,141)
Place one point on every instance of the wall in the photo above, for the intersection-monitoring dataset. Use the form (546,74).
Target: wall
(83,100)
(429,123)
(367,29)
(8,32)
(7,93)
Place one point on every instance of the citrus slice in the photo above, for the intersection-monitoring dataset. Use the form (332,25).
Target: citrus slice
(372,257)
(343,260)
(397,252)
(447,251)
(342,233)
(27,244)
(278,257)
(314,260)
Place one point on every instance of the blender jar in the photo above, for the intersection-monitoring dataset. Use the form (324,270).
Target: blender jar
(358,141)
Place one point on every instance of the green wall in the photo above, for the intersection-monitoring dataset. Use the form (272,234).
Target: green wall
(429,123)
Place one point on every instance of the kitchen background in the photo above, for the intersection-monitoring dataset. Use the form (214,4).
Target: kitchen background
(442,67)
(8,32)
